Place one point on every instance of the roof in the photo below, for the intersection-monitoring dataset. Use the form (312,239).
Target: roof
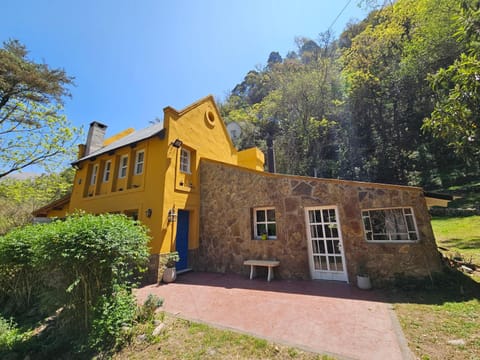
(139,135)
(42,212)
(146,133)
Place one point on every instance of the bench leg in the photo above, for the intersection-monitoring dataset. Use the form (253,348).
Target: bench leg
(270,273)
(252,271)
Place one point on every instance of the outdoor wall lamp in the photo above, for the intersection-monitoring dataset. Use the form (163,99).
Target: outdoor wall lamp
(172,216)
(148,213)
(177,143)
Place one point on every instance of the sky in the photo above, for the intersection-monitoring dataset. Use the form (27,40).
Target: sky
(132,58)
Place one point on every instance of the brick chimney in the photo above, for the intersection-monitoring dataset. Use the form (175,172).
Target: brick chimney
(96,135)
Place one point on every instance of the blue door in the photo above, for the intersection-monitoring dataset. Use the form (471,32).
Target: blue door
(182,239)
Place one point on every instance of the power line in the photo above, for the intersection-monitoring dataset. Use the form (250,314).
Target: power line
(339,14)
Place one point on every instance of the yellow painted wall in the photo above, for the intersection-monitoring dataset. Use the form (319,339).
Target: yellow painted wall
(162,186)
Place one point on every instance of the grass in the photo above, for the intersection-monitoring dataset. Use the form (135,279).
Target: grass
(460,235)
(185,339)
(444,322)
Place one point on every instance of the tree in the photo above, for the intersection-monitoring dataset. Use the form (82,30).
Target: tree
(33,129)
(456,116)
(18,198)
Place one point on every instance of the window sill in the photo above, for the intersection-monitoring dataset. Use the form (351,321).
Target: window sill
(392,241)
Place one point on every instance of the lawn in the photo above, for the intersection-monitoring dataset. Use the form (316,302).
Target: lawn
(459,236)
(443,322)
(183,339)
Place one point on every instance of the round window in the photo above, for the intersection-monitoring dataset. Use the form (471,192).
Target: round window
(210,118)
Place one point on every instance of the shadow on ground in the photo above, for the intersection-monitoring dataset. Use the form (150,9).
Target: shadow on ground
(449,286)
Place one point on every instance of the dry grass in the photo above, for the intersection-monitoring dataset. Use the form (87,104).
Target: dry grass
(183,339)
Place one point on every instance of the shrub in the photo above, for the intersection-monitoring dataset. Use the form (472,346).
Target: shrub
(146,312)
(113,320)
(86,265)
(9,334)
(19,278)
(95,254)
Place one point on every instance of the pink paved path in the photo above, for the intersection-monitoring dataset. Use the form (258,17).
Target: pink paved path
(319,316)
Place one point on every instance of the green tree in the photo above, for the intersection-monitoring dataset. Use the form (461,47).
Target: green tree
(33,129)
(18,198)
(456,116)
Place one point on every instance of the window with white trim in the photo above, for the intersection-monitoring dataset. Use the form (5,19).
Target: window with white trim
(185,156)
(122,171)
(392,224)
(139,160)
(264,224)
(93,179)
(106,170)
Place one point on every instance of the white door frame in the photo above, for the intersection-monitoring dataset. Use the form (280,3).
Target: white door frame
(325,274)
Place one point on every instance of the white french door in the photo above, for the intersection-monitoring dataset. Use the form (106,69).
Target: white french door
(325,247)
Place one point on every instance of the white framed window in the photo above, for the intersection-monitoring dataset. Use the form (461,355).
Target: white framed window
(93,179)
(107,170)
(185,157)
(264,223)
(122,170)
(390,225)
(139,161)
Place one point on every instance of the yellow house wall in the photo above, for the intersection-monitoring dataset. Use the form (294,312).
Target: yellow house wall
(162,186)
(128,194)
(251,158)
(58,213)
(203,132)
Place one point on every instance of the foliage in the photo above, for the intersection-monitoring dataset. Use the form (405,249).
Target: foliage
(172,258)
(19,197)
(354,107)
(95,253)
(113,320)
(9,334)
(86,266)
(20,282)
(146,312)
(33,129)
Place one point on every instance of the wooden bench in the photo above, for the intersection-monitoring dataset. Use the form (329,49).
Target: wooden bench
(266,263)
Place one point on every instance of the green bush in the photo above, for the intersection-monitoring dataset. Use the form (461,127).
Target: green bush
(85,265)
(20,282)
(9,334)
(113,320)
(146,312)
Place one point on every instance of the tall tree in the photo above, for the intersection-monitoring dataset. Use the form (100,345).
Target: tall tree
(33,129)
(456,116)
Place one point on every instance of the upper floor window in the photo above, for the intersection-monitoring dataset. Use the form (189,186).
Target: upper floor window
(122,170)
(139,161)
(93,179)
(393,224)
(264,223)
(107,170)
(185,157)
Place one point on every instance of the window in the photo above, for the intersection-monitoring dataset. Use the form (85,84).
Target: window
(395,224)
(264,223)
(106,171)
(122,171)
(93,179)
(139,160)
(185,161)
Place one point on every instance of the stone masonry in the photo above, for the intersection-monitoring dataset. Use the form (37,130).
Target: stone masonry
(229,194)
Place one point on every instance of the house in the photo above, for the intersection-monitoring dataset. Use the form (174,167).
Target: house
(216,206)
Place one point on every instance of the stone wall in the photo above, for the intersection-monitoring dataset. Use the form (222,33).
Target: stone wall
(228,195)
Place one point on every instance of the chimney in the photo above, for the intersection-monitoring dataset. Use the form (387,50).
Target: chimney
(96,135)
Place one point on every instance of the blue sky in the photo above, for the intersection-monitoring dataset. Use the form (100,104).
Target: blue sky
(132,58)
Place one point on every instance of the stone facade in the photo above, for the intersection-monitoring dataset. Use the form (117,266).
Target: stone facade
(229,194)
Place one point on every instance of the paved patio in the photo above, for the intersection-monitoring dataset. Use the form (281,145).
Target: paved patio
(318,316)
